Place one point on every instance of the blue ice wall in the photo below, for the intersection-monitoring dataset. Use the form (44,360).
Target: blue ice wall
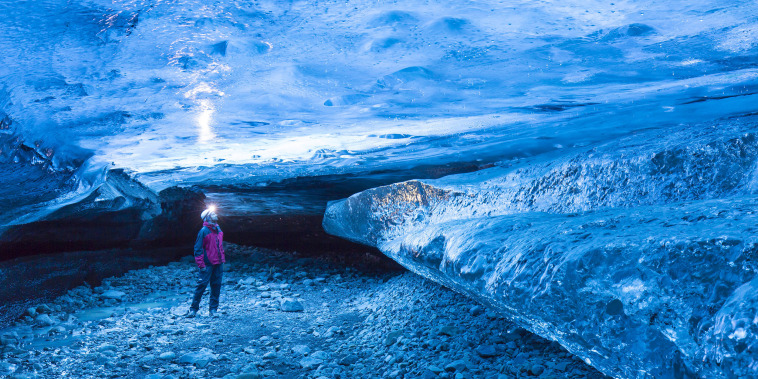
(579,108)
(638,255)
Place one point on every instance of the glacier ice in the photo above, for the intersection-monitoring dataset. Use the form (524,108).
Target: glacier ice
(588,111)
(638,255)
(254,93)
(187,92)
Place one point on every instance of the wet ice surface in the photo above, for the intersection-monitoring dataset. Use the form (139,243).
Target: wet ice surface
(638,255)
(354,325)
(258,92)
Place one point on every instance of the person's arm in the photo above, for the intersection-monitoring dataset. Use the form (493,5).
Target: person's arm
(221,242)
(199,251)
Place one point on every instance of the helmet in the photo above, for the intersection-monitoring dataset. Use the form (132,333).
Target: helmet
(209,214)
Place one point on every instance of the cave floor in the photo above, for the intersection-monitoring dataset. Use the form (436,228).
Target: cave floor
(354,324)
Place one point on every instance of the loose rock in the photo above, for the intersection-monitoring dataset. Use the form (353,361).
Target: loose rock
(360,326)
(113,295)
(537,370)
(249,375)
(301,349)
(458,365)
(44,320)
(310,362)
(486,351)
(349,360)
(291,305)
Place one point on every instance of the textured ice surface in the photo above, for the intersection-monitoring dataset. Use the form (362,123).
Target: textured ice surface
(587,107)
(191,91)
(638,255)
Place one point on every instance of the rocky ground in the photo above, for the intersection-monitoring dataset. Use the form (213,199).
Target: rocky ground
(281,316)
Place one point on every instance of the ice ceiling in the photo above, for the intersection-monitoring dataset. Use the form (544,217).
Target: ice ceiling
(188,91)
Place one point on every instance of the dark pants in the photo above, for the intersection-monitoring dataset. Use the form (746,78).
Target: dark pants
(211,274)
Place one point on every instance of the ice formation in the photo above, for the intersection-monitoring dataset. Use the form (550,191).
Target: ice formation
(256,92)
(637,255)
(611,130)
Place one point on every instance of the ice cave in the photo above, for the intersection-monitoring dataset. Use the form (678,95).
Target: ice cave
(326,189)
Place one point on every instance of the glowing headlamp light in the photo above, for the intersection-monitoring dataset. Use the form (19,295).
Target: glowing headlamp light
(209,213)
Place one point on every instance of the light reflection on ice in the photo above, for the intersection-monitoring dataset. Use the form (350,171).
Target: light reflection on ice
(636,254)
(205,132)
(129,70)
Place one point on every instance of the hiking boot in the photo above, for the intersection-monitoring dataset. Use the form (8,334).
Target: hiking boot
(191,314)
(213,313)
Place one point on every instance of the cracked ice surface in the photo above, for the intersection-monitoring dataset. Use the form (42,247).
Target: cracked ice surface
(637,256)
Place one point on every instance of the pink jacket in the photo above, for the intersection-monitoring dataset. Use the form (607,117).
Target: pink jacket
(209,246)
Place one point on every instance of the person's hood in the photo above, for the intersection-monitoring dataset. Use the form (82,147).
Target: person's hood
(213,227)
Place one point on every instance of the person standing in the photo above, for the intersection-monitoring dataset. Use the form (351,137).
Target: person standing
(209,256)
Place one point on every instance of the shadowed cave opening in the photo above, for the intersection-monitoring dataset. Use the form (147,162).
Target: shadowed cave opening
(50,257)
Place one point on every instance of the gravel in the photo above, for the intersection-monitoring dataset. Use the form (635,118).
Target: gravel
(282,315)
